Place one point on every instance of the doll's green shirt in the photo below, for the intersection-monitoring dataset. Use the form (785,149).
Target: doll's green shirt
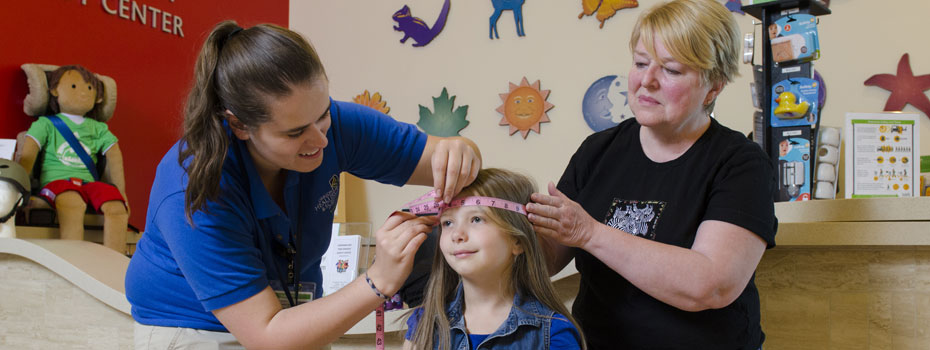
(61,162)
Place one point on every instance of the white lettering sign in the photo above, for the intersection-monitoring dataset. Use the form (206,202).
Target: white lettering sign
(147,15)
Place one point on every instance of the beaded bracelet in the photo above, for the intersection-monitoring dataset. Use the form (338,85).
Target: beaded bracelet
(375,289)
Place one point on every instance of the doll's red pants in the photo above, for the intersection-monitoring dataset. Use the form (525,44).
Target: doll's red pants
(96,193)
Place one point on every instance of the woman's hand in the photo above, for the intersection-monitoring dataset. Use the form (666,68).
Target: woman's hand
(559,218)
(447,163)
(455,164)
(397,243)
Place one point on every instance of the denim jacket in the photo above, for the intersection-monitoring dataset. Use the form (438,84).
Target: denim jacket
(526,327)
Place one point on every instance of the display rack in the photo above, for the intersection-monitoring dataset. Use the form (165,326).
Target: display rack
(765,134)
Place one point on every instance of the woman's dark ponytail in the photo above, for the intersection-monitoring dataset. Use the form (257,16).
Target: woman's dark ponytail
(237,70)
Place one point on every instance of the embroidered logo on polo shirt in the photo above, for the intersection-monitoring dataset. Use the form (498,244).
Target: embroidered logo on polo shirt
(638,218)
(328,201)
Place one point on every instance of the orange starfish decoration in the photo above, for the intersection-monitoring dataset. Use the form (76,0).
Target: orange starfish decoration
(905,87)
(605,8)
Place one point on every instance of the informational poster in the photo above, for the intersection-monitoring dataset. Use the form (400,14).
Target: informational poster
(340,263)
(882,155)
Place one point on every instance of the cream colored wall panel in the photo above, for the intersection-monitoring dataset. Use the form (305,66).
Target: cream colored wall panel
(361,51)
(42,310)
(873,233)
(91,267)
(856,209)
(865,253)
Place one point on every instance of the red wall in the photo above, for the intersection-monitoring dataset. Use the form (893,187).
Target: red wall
(152,68)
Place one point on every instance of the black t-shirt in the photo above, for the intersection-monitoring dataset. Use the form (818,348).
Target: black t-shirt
(724,176)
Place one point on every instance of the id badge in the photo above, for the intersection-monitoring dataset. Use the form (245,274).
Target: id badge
(304,293)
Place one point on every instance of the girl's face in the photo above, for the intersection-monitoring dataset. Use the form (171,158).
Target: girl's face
(295,135)
(665,92)
(474,246)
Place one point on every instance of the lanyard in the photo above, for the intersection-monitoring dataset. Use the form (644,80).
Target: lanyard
(291,252)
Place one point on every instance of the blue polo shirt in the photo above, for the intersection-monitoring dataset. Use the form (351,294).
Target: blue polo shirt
(181,272)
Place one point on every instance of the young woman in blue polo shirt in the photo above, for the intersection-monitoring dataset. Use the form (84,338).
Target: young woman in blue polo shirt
(245,200)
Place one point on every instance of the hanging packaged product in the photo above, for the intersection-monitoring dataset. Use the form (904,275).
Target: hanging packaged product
(794,38)
(794,102)
(794,163)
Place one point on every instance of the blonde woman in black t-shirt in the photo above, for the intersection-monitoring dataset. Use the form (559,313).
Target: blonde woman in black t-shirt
(667,215)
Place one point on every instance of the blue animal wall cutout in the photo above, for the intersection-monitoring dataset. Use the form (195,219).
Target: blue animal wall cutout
(502,5)
(414,27)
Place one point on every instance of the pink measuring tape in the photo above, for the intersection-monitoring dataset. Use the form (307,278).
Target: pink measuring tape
(379,328)
(394,304)
(426,205)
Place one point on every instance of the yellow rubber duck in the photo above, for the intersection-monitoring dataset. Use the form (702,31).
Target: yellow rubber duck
(788,109)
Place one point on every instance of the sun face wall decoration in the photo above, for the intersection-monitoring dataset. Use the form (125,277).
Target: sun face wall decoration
(524,107)
(373,101)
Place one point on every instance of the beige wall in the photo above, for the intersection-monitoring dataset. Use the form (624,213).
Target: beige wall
(361,51)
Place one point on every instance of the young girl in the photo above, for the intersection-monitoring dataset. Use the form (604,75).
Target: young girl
(489,286)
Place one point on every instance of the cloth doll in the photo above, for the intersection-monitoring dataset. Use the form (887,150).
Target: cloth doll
(66,182)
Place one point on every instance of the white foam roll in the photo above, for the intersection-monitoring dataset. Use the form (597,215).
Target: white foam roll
(830,136)
(826,172)
(824,190)
(828,154)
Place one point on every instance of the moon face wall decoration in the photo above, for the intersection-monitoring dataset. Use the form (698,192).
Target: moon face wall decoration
(605,103)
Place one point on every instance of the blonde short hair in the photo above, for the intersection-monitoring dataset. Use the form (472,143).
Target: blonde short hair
(701,34)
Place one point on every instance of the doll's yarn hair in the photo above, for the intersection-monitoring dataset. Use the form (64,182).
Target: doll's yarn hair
(55,76)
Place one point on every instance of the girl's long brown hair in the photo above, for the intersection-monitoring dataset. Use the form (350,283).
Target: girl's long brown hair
(529,276)
(237,70)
